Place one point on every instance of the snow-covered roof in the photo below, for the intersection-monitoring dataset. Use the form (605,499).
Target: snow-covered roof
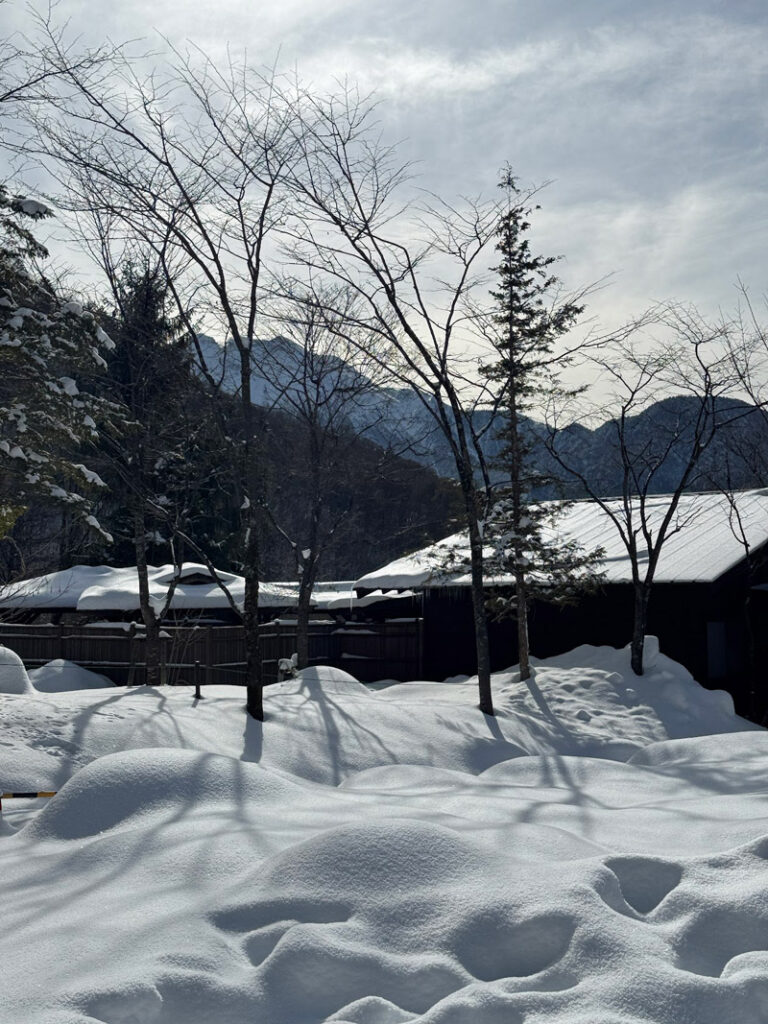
(705,546)
(104,587)
(324,594)
(340,595)
(351,601)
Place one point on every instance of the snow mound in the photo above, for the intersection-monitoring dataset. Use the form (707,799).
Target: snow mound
(391,857)
(697,750)
(119,789)
(320,679)
(60,675)
(13,675)
(29,770)
(593,683)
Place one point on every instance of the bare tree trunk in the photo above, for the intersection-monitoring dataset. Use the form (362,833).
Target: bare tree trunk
(309,555)
(302,618)
(642,597)
(482,644)
(253,669)
(523,648)
(515,471)
(151,625)
(251,554)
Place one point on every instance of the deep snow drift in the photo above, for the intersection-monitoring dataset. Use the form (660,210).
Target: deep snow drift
(595,854)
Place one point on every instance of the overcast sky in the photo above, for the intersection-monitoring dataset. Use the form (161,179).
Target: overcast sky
(649,118)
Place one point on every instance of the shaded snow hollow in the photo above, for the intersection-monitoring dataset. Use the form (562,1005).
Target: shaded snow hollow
(595,854)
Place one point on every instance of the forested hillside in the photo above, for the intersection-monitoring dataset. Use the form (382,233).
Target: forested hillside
(393,417)
(386,504)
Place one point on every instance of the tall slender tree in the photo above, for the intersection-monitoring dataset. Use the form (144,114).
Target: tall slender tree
(524,328)
(321,381)
(412,269)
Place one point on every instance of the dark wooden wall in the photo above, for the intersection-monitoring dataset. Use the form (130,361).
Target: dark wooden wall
(216,654)
(704,626)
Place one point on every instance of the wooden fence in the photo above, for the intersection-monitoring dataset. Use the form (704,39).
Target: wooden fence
(214,655)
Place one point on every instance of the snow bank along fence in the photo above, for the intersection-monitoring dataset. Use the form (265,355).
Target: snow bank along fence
(215,655)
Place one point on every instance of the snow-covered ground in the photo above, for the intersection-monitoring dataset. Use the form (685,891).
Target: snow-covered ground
(597,853)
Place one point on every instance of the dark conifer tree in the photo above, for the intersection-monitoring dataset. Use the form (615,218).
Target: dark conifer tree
(154,465)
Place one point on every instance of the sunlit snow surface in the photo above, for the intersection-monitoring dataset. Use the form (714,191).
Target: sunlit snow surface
(595,854)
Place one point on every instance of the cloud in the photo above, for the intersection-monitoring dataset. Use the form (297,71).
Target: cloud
(651,118)
(417,74)
(668,57)
(690,246)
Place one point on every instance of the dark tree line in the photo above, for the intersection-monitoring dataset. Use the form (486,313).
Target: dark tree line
(171,491)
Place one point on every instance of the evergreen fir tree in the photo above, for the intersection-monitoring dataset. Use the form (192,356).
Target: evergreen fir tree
(147,376)
(153,464)
(524,330)
(50,348)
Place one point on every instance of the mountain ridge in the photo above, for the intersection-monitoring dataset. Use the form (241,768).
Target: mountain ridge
(396,419)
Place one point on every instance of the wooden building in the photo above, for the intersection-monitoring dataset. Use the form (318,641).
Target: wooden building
(709,603)
(90,615)
(85,593)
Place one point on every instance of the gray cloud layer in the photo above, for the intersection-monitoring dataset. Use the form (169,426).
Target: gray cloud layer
(650,119)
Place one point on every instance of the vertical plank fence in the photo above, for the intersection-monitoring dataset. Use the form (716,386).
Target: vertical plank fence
(215,655)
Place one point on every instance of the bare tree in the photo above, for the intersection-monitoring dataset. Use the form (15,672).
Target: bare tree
(413,268)
(689,368)
(747,346)
(32,64)
(320,379)
(188,160)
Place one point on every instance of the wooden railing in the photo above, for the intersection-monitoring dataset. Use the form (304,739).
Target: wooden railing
(214,655)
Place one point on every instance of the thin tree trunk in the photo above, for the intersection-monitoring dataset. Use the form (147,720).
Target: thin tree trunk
(482,644)
(523,649)
(642,597)
(253,667)
(308,564)
(302,619)
(481,619)
(254,679)
(151,625)
(515,473)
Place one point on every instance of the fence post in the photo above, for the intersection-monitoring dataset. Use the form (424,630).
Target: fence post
(163,657)
(335,648)
(198,695)
(132,654)
(420,644)
(208,656)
